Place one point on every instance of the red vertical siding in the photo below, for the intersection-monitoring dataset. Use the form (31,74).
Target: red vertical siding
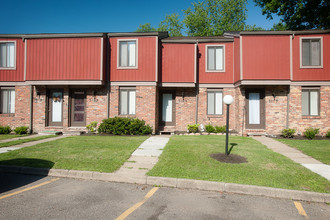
(178,61)
(17,74)
(266,57)
(237,66)
(311,74)
(216,77)
(63,59)
(146,70)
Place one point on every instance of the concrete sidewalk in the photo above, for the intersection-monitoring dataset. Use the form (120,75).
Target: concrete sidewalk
(296,155)
(20,138)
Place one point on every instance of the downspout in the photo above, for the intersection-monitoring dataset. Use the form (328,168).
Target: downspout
(196,80)
(288,108)
(107,75)
(31,109)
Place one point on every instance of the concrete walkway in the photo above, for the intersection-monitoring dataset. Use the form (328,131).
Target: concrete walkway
(20,138)
(296,155)
(28,144)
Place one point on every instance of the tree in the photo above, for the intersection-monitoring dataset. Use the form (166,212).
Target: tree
(298,14)
(145,28)
(279,27)
(253,28)
(172,24)
(213,17)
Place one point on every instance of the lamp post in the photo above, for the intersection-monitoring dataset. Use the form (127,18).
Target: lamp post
(228,99)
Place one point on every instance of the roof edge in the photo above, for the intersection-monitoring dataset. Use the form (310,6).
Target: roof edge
(284,32)
(192,41)
(139,34)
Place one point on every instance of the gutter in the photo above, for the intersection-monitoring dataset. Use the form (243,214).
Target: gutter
(31,109)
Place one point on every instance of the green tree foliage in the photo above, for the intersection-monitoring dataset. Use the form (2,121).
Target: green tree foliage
(213,17)
(145,28)
(279,27)
(298,14)
(172,24)
(253,28)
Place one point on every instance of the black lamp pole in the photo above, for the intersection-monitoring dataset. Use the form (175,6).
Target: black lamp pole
(227,128)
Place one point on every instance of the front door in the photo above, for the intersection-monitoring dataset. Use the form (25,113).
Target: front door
(78,108)
(167,109)
(255,109)
(55,108)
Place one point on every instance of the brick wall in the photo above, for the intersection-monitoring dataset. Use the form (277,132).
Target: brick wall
(185,108)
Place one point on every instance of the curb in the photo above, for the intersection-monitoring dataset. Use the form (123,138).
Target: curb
(175,182)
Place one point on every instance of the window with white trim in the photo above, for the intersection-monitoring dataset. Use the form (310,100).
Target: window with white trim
(310,102)
(127,100)
(311,52)
(215,58)
(127,54)
(7,97)
(7,54)
(214,102)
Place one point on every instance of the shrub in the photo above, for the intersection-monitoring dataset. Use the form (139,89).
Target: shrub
(5,130)
(209,128)
(288,133)
(328,134)
(220,129)
(193,128)
(124,126)
(92,126)
(21,130)
(310,133)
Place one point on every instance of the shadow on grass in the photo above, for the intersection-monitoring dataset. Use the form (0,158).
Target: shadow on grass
(12,177)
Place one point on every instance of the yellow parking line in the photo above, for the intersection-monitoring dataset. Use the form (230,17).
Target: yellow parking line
(137,205)
(300,209)
(29,188)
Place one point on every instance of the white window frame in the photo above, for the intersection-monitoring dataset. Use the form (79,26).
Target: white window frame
(214,91)
(321,55)
(128,99)
(1,100)
(15,51)
(309,90)
(223,60)
(136,54)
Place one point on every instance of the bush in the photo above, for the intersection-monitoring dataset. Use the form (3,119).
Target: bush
(328,134)
(124,126)
(21,130)
(5,130)
(209,128)
(193,128)
(92,126)
(288,133)
(220,129)
(310,133)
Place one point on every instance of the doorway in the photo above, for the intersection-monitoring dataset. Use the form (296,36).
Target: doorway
(167,108)
(255,109)
(55,108)
(78,108)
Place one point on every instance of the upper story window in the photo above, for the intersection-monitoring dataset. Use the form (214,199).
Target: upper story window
(127,56)
(310,101)
(311,53)
(7,55)
(7,98)
(127,100)
(214,102)
(215,59)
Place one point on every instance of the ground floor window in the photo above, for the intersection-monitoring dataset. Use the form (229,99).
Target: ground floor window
(7,100)
(127,100)
(310,102)
(214,102)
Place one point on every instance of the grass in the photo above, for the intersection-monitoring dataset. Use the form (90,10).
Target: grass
(22,141)
(91,153)
(188,157)
(318,149)
(9,136)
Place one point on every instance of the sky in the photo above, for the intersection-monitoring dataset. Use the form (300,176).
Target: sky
(86,16)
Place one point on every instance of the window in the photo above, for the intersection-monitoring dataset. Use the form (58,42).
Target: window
(310,102)
(7,100)
(7,54)
(127,101)
(214,102)
(127,57)
(311,52)
(215,58)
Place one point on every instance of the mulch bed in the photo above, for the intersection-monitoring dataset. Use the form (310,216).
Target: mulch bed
(231,158)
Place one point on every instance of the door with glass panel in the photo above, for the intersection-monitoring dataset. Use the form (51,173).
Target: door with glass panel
(78,107)
(255,109)
(55,108)
(167,109)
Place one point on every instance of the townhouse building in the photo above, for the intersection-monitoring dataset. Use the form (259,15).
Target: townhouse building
(62,82)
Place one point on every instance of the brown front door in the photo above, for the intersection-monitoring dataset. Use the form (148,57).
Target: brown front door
(255,109)
(78,108)
(167,108)
(55,108)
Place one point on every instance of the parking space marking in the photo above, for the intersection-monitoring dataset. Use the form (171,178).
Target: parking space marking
(29,188)
(137,205)
(300,209)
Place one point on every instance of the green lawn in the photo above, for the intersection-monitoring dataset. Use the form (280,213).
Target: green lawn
(98,153)
(22,141)
(9,136)
(188,157)
(318,149)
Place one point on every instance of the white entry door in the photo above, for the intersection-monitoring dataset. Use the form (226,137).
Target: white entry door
(55,110)
(255,106)
(167,116)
